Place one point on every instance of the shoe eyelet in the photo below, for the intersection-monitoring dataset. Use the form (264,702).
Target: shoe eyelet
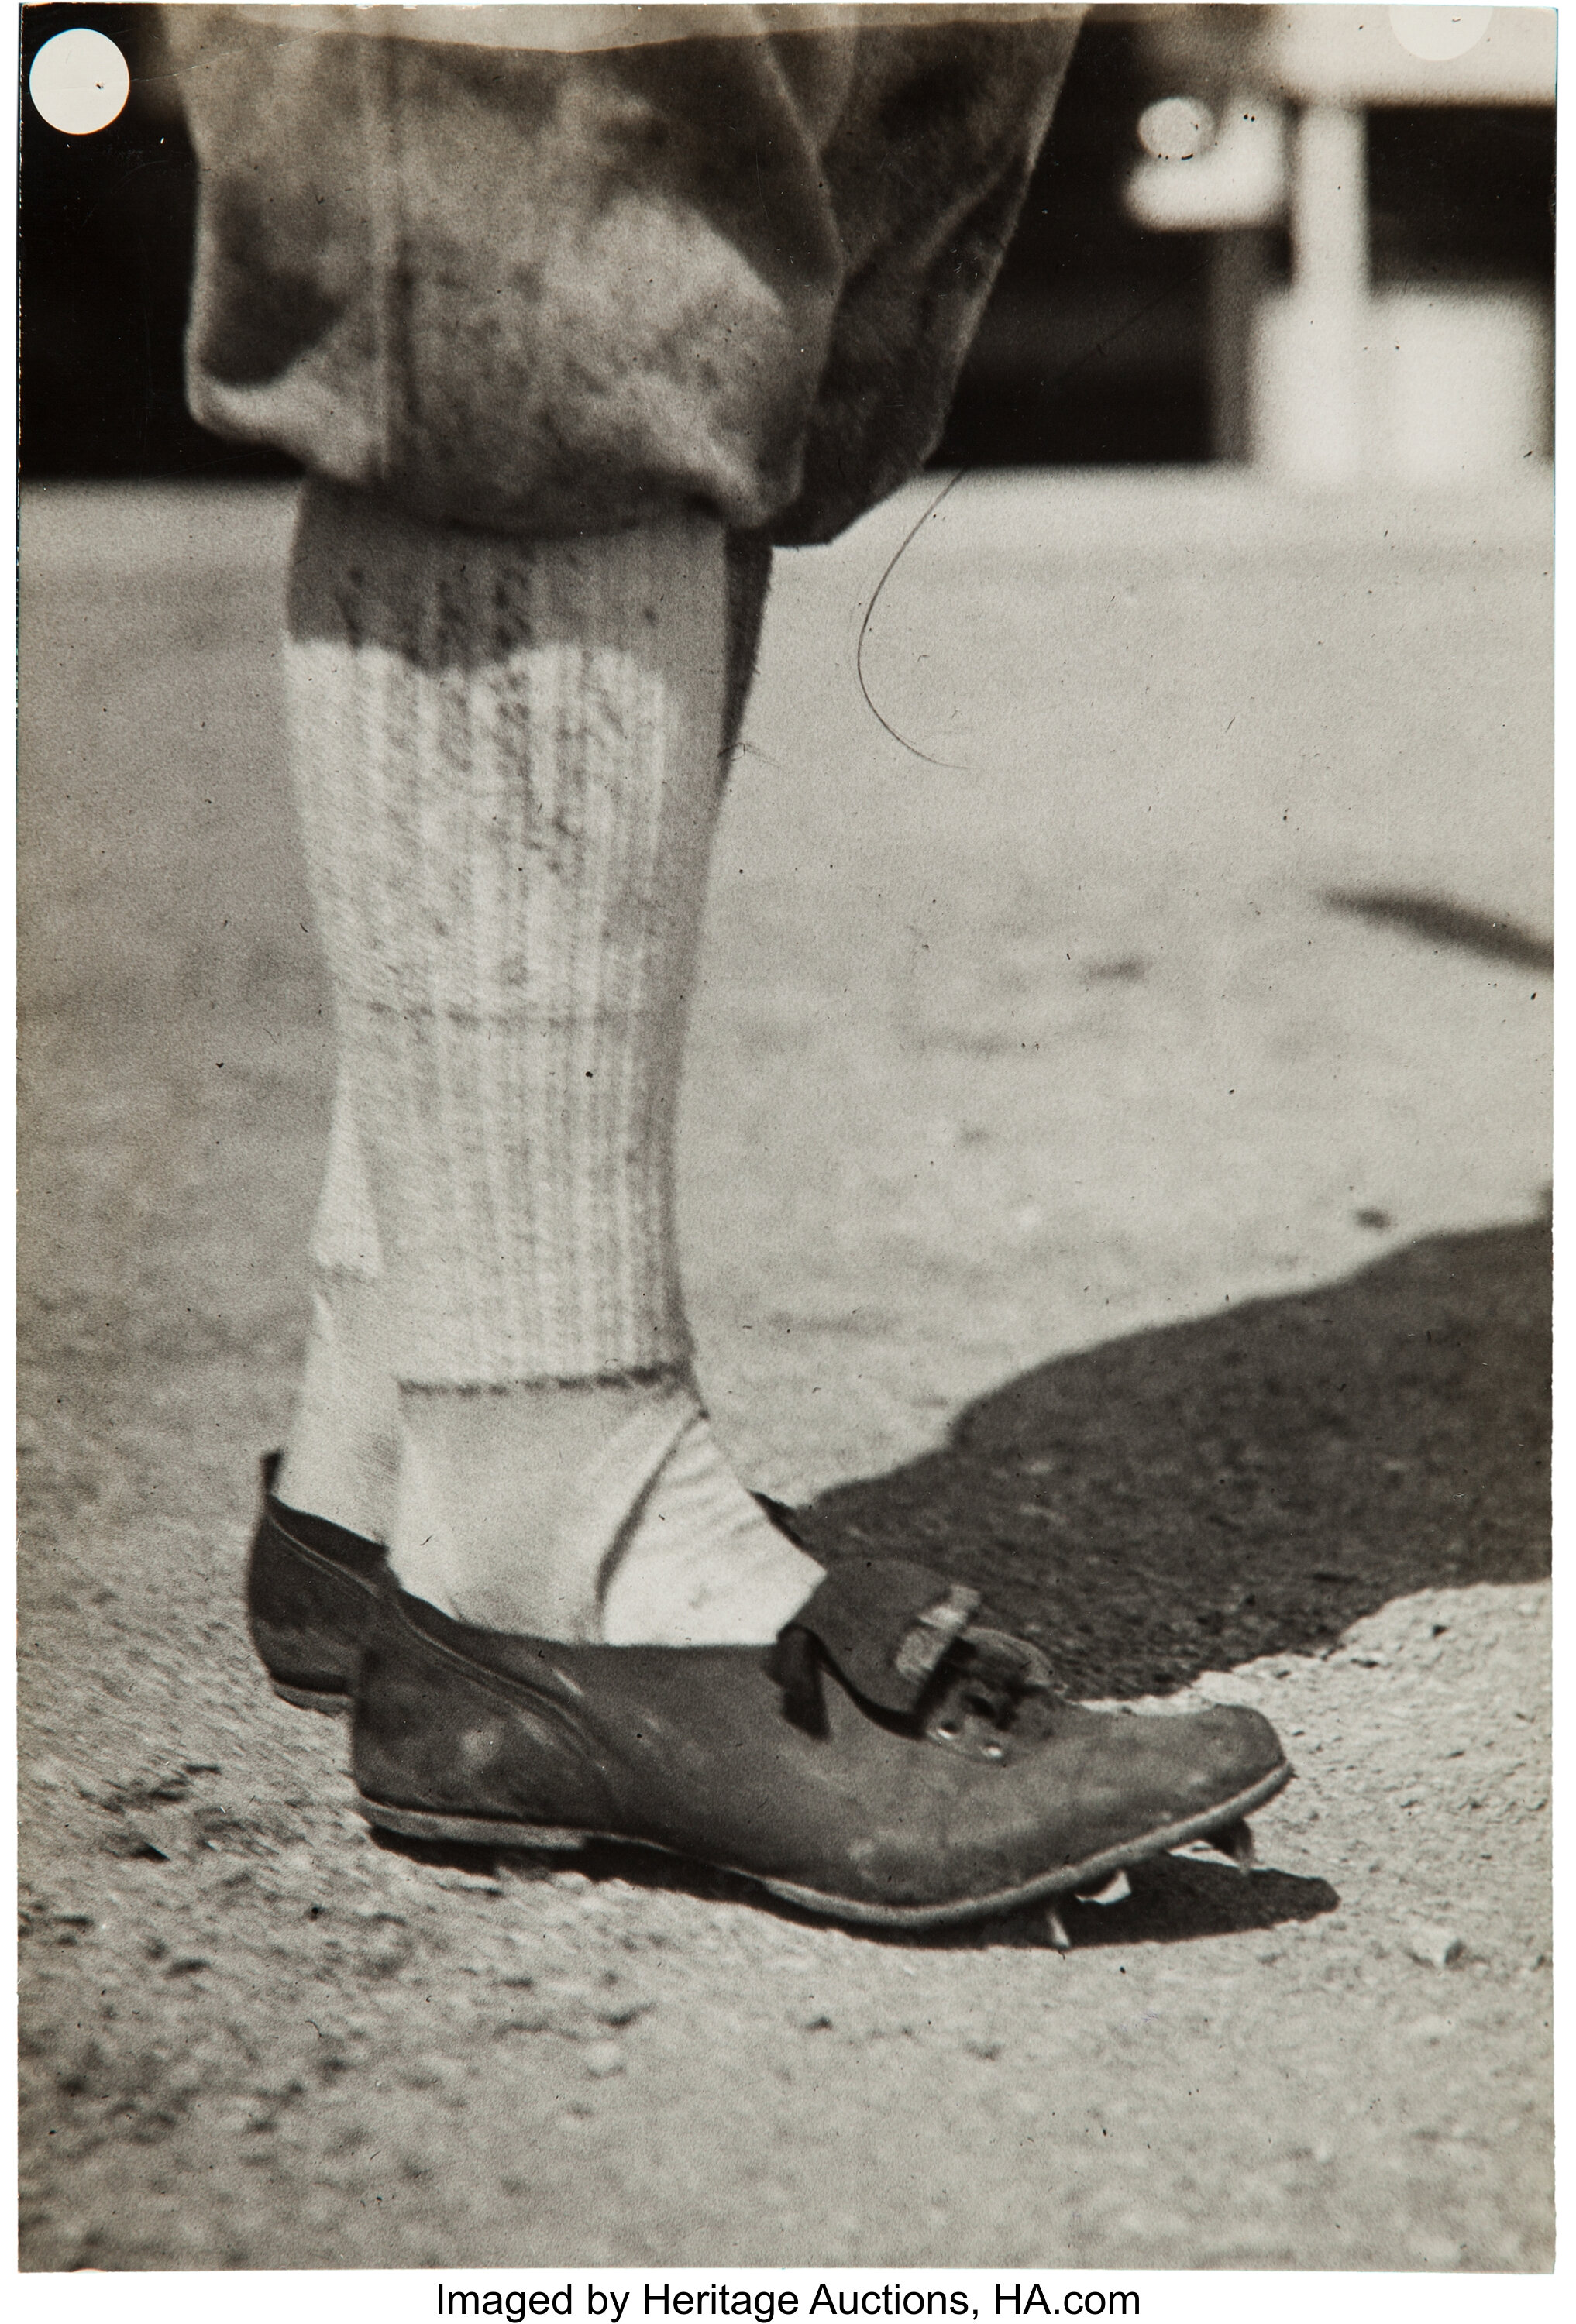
(993,1751)
(947,1730)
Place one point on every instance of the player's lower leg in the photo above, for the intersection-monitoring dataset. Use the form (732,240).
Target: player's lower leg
(509,773)
(508,757)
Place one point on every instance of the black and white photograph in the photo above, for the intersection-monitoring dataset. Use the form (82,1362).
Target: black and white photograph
(785,943)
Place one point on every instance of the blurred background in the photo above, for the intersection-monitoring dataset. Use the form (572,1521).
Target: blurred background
(1315,239)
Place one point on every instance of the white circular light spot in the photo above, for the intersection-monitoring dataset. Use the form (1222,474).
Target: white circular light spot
(1437,34)
(78,82)
(1176,129)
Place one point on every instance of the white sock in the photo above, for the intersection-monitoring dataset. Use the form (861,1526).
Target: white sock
(604,1511)
(342,1456)
(507,765)
(700,1567)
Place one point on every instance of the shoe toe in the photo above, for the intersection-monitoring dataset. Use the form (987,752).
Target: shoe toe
(1238,1746)
(1136,1776)
(1209,1760)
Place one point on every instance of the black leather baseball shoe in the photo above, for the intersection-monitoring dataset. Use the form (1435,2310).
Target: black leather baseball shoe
(311,1590)
(885,1760)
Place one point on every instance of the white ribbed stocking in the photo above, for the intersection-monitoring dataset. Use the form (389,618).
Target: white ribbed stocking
(508,756)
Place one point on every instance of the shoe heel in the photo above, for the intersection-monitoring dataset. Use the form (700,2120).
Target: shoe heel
(487,1832)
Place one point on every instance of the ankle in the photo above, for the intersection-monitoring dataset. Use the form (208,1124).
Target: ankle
(511,1496)
(702,1562)
(595,1511)
(341,1455)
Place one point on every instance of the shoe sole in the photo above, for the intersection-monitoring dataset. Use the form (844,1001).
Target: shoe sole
(420,1823)
(333,1703)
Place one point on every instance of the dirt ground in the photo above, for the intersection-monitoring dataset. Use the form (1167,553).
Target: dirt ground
(1115,1166)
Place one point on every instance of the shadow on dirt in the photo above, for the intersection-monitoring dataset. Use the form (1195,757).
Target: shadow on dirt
(1173,1899)
(1438,919)
(1252,1483)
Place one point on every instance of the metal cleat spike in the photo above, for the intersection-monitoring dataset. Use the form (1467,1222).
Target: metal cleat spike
(1237,1842)
(1113,1892)
(1055,1929)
